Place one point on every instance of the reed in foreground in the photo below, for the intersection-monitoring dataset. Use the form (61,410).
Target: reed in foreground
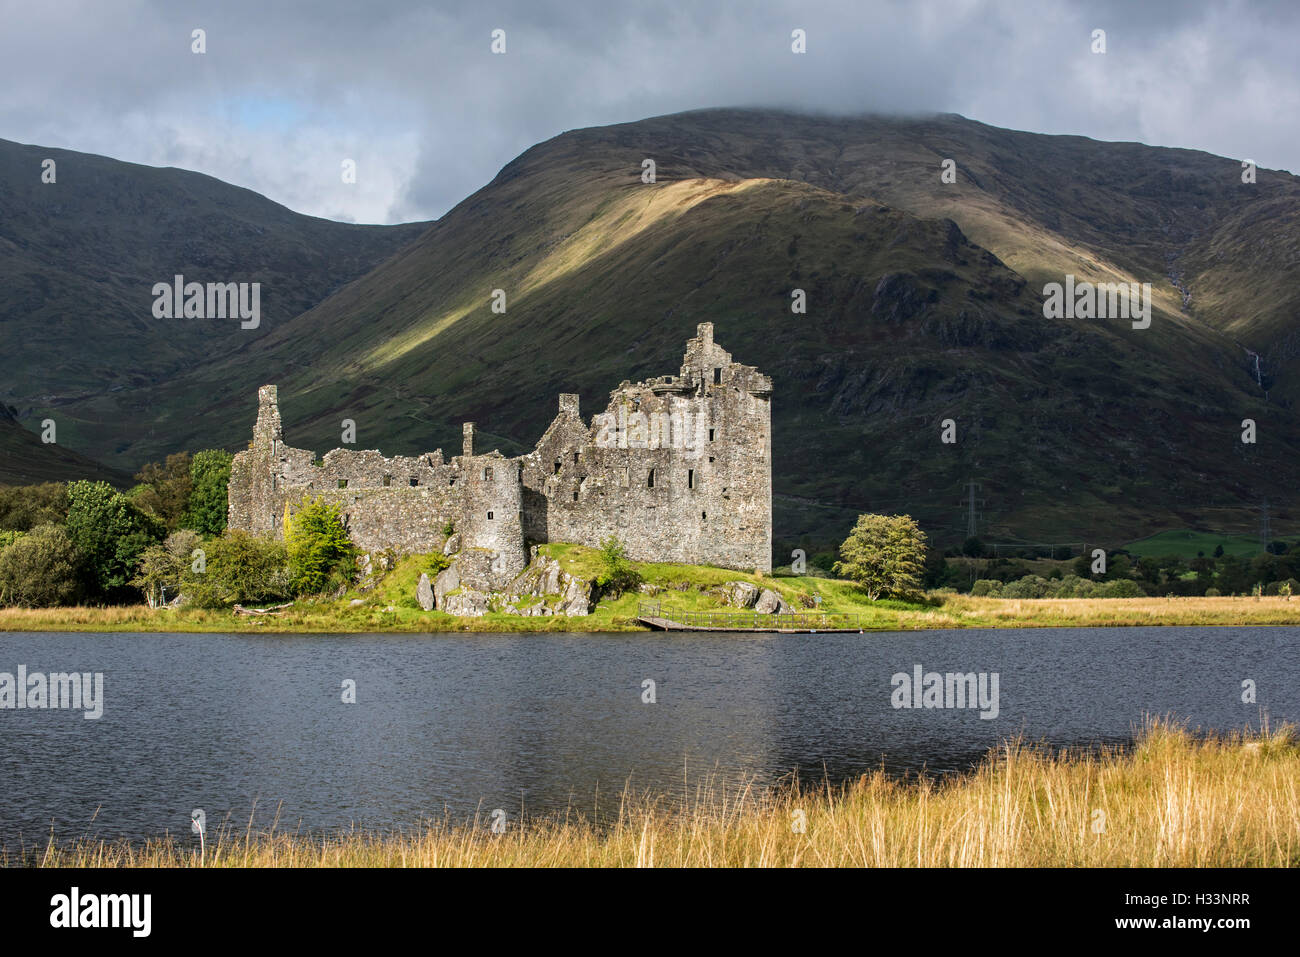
(1174,800)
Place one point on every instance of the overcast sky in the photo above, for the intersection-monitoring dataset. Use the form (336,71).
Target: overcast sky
(412,92)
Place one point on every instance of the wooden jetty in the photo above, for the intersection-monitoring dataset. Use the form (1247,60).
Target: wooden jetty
(653,615)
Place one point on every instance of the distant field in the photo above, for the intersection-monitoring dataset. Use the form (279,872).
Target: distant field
(1186,543)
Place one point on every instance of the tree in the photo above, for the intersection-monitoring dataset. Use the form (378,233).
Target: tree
(162,567)
(208,504)
(109,533)
(23,507)
(883,555)
(238,567)
(40,569)
(320,553)
(164,489)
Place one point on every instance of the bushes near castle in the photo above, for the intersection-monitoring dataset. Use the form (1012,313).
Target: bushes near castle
(321,556)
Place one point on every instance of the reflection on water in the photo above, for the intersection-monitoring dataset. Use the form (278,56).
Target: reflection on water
(447,724)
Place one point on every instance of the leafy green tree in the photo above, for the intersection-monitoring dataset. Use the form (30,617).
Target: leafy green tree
(321,555)
(23,507)
(883,555)
(41,569)
(109,533)
(164,489)
(238,567)
(208,503)
(617,573)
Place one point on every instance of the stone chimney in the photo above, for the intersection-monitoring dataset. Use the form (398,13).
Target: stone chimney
(268,429)
(704,331)
(468,447)
(569,403)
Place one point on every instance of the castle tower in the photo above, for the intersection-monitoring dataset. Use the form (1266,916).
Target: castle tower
(255,475)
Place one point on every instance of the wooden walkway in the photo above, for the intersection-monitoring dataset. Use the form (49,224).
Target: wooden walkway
(651,614)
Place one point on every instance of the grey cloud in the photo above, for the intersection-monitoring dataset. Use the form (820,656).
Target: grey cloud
(411,92)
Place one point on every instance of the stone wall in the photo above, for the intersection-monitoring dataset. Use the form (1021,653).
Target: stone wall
(678,468)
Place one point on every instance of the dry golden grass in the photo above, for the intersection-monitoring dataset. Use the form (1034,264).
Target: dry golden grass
(1066,612)
(1175,800)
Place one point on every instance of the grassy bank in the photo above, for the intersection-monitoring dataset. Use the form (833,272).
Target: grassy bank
(389,605)
(950,611)
(1174,801)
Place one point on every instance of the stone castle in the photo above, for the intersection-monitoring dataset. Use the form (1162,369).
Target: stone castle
(678,468)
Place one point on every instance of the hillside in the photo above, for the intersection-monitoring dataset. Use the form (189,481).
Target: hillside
(78,261)
(924,304)
(25,459)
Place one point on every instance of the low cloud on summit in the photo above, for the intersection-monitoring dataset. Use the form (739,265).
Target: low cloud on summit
(412,92)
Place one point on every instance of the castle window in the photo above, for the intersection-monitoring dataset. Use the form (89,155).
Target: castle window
(704,515)
(388,480)
(575,458)
(450,482)
(343,483)
(717,376)
(575,494)
(487,474)
(690,478)
(557,466)
(650,479)
(710,458)
(489,516)
(414,481)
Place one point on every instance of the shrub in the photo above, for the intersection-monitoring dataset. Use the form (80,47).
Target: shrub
(987,586)
(617,574)
(1120,588)
(239,567)
(321,556)
(1031,586)
(1212,592)
(40,569)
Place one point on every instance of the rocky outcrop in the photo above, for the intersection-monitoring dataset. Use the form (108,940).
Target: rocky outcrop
(448,581)
(424,593)
(740,594)
(770,603)
(543,588)
(555,590)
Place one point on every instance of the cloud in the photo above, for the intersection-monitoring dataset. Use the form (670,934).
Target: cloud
(286,92)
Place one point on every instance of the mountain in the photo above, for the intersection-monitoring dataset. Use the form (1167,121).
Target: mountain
(924,303)
(79,257)
(25,459)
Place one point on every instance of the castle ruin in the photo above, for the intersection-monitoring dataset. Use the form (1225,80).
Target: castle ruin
(678,468)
